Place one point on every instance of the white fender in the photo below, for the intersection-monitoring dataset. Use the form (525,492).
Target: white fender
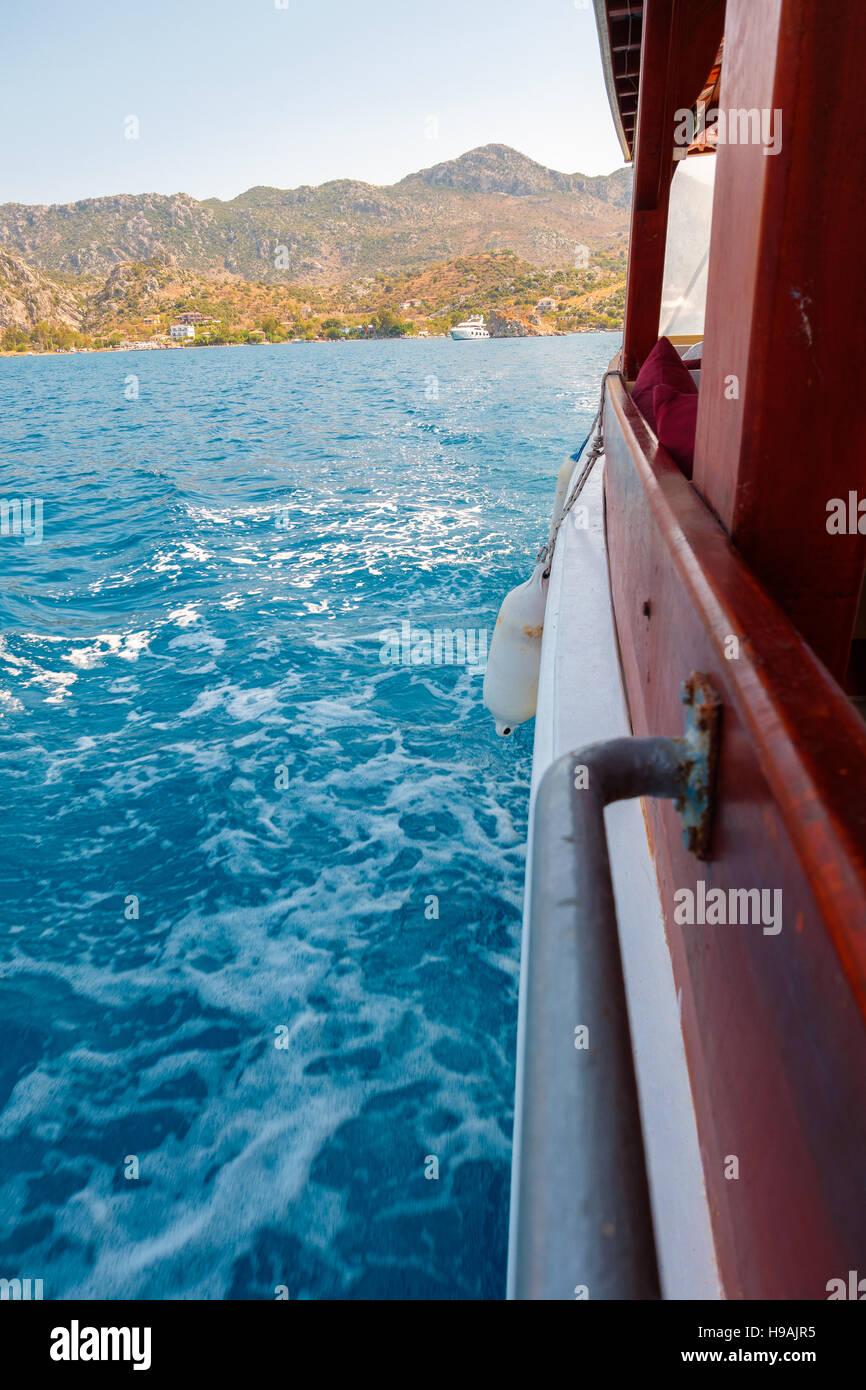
(511,677)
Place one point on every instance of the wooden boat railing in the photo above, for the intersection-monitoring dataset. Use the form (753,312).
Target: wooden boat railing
(773,1023)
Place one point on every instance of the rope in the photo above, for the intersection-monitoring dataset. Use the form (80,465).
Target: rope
(545,554)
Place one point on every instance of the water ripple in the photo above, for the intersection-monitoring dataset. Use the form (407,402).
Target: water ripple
(227,820)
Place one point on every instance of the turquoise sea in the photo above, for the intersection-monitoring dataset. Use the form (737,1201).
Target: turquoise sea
(237,1043)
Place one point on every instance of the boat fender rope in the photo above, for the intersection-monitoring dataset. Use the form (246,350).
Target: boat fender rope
(545,554)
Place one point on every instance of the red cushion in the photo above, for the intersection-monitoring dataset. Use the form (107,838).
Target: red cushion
(663,367)
(676,416)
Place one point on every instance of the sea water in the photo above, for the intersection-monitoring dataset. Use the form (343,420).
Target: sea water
(261,882)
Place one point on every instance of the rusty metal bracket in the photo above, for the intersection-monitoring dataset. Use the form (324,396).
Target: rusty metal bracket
(698,761)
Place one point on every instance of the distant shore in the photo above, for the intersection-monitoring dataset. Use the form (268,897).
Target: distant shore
(289,342)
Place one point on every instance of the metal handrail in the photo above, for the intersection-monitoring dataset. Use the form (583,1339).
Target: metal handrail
(581,1217)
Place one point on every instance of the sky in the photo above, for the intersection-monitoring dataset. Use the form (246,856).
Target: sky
(229,94)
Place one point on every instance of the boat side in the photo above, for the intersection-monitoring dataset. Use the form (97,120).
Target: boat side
(773,1010)
(581,701)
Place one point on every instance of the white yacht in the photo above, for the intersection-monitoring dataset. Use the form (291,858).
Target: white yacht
(472,327)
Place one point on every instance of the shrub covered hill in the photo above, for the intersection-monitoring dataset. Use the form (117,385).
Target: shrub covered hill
(491,232)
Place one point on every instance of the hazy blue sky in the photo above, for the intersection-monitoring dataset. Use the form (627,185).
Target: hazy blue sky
(233,93)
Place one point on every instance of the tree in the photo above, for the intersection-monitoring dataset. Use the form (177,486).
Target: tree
(389,326)
(15,340)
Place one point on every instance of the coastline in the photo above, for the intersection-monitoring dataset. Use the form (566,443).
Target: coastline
(289,342)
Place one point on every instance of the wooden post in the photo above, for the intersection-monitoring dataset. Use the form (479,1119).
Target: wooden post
(781,424)
(680,40)
(653,163)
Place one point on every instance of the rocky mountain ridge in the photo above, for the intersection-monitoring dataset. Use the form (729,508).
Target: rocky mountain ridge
(490,199)
(28,297)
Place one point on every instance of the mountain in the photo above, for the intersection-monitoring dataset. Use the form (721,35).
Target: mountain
(489,199)
(28,297)
(500,169)
(137,302)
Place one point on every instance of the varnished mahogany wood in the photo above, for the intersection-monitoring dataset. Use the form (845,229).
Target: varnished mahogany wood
(680,42)
(774,1024)
(781,425)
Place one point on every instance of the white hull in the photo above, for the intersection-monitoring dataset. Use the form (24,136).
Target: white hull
(581,701)
(460,334)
